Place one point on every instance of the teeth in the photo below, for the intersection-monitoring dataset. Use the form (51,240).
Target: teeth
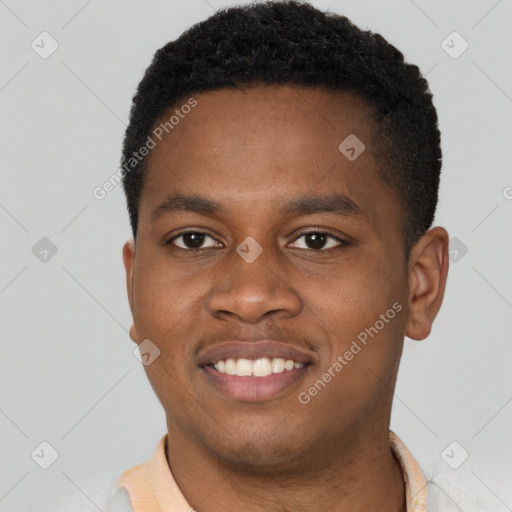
(244,367)
(262,367)
(221,366)
(277,365)
(255,368)
(230,367)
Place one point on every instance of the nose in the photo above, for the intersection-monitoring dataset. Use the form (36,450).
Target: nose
(249,291)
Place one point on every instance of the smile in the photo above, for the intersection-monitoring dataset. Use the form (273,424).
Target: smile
(256,368)
(254,371)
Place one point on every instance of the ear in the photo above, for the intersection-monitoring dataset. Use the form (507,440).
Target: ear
(129,260)
(428,270)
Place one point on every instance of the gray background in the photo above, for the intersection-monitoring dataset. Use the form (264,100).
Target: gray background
(68,373)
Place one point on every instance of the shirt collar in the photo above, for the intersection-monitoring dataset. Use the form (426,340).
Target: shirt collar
(152,487)
(414,481)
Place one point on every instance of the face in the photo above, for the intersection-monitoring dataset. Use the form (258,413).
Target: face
(293,252)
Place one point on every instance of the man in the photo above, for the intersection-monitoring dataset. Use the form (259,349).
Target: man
(281,169)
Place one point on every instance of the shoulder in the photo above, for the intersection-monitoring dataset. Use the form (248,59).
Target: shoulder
(109,498)
(105,497)
(458,491)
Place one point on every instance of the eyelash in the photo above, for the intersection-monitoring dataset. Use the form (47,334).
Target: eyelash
(343,243)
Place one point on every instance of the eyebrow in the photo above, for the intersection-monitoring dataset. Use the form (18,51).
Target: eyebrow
(337,204)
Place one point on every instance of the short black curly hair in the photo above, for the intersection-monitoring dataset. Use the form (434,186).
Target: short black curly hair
(291,42)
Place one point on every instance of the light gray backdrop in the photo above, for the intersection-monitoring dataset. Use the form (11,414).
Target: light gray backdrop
(68,374)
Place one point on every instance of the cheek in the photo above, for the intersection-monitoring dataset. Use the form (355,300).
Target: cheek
(165,300)
(364,311)
(355,294)
(166,309)
(359,377)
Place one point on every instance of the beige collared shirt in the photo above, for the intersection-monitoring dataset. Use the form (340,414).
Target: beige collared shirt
(151,486)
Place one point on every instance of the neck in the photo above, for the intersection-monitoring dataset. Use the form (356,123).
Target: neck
(357,474)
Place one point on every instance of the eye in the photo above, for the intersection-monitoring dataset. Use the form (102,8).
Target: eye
(317,240)
(192,240)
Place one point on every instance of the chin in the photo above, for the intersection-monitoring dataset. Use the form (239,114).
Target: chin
(258,454)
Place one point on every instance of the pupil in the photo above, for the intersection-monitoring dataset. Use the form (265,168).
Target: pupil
(198,240)
(317,240)
(316,236)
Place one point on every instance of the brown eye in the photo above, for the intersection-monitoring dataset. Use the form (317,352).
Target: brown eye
(317,240)
(192,240)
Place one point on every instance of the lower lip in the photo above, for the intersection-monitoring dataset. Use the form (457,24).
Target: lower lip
(254,389)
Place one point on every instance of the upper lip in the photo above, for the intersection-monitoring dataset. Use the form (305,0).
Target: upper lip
(254,350)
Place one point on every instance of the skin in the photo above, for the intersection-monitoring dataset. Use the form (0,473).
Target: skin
(251,151)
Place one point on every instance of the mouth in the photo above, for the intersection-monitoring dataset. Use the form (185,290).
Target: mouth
(255,368)
(255,371)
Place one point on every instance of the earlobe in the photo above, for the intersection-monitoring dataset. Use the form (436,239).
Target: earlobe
(133,334)
(129,261)
(428,270)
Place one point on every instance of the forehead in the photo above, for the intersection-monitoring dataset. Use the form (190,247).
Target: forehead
(245,148)
(286,119)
